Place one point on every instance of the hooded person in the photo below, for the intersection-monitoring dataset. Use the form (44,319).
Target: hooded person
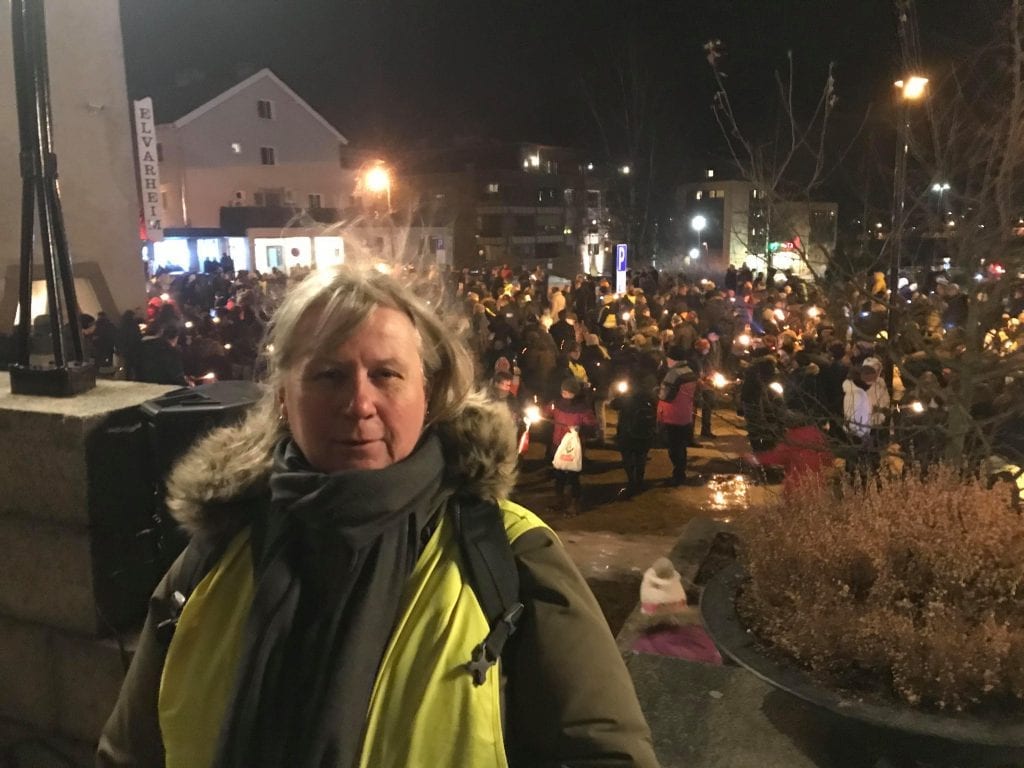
(321,615)
(675,409)
(637,403)
(570,413)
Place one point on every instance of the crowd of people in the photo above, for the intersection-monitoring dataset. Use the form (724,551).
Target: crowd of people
(813,376)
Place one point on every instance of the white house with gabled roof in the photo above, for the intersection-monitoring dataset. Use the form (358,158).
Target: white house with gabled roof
(257,145)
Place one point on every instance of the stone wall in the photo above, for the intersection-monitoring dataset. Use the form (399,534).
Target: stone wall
(71,500)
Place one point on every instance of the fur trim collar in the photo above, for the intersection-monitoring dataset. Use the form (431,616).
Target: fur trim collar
(211,488)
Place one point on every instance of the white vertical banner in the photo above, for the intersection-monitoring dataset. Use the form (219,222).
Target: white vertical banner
(149,170)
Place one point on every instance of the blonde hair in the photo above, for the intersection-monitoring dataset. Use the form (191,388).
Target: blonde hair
(339,300)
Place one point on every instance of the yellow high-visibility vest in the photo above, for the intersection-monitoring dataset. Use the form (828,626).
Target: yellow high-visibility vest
(424,709)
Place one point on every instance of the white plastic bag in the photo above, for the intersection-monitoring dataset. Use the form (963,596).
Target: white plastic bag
(569,455)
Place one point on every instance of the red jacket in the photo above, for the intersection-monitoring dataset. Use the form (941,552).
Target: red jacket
(570,413)
(678,410)
(803,452)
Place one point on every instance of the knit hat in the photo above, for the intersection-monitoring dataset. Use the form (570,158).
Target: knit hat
(661,590)
(676,352)
(573,385)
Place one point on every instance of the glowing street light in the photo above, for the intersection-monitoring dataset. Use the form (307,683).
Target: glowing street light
(940,188)
(913,87)
(698,223)
(625,170)
(378,180)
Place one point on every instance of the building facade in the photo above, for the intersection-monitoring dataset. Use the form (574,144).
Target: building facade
(517,204)
(728,222)
(259,175)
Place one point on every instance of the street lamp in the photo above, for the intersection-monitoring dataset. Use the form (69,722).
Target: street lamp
(698,223)
(911,89)
(941,188)
(377,181)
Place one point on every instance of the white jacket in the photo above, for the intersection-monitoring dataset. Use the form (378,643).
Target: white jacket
(856,409)
(878,397)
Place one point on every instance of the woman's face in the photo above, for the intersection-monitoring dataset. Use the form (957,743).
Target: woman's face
(363,405)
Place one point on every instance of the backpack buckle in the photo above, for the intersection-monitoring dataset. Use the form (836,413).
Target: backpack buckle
(487,653)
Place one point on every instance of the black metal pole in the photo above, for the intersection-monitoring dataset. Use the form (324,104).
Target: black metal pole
(54,210)
(29,173)
(40,193)
(896,236)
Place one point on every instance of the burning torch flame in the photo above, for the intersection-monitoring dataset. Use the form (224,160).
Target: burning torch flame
(531,414)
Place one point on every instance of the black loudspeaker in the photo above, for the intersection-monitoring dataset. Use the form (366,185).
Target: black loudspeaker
(133,540)
(175,422)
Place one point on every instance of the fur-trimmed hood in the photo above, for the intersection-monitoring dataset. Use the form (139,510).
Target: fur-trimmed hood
(208,487)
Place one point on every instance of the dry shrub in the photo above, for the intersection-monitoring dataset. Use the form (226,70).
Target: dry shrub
(910,585)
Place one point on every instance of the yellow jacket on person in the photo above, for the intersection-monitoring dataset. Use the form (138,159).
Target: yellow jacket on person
(568,698)
(424,709)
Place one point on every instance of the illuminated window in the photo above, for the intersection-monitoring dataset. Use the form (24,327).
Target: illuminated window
(711,173)
(236,147)
(698,195)
(493,188)
(265,109)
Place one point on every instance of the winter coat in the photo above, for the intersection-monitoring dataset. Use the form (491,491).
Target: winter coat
(856,409)
(805,393)
(803,453)
(160,363)
(570,700)
(562,332)
(638,414)
(679,410)
(571,413)
(598,364)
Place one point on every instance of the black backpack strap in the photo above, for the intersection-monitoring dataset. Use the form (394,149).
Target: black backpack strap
(491,572)
(197,561)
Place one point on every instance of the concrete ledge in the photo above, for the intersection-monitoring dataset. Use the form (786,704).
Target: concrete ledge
(45,454)
(46,575)
(27,692)
(28,747)
(58,682)
(88,675)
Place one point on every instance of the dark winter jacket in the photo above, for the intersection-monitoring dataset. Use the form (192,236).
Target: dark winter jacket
(570,700)
(638,420)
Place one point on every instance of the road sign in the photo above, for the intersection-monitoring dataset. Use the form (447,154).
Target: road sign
(620,257)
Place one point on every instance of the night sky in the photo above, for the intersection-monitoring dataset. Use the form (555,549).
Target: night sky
(397,74)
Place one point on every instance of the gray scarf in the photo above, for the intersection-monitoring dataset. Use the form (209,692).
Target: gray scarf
(331,561)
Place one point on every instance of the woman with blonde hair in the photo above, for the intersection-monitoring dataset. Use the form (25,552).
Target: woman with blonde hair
(323,613)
